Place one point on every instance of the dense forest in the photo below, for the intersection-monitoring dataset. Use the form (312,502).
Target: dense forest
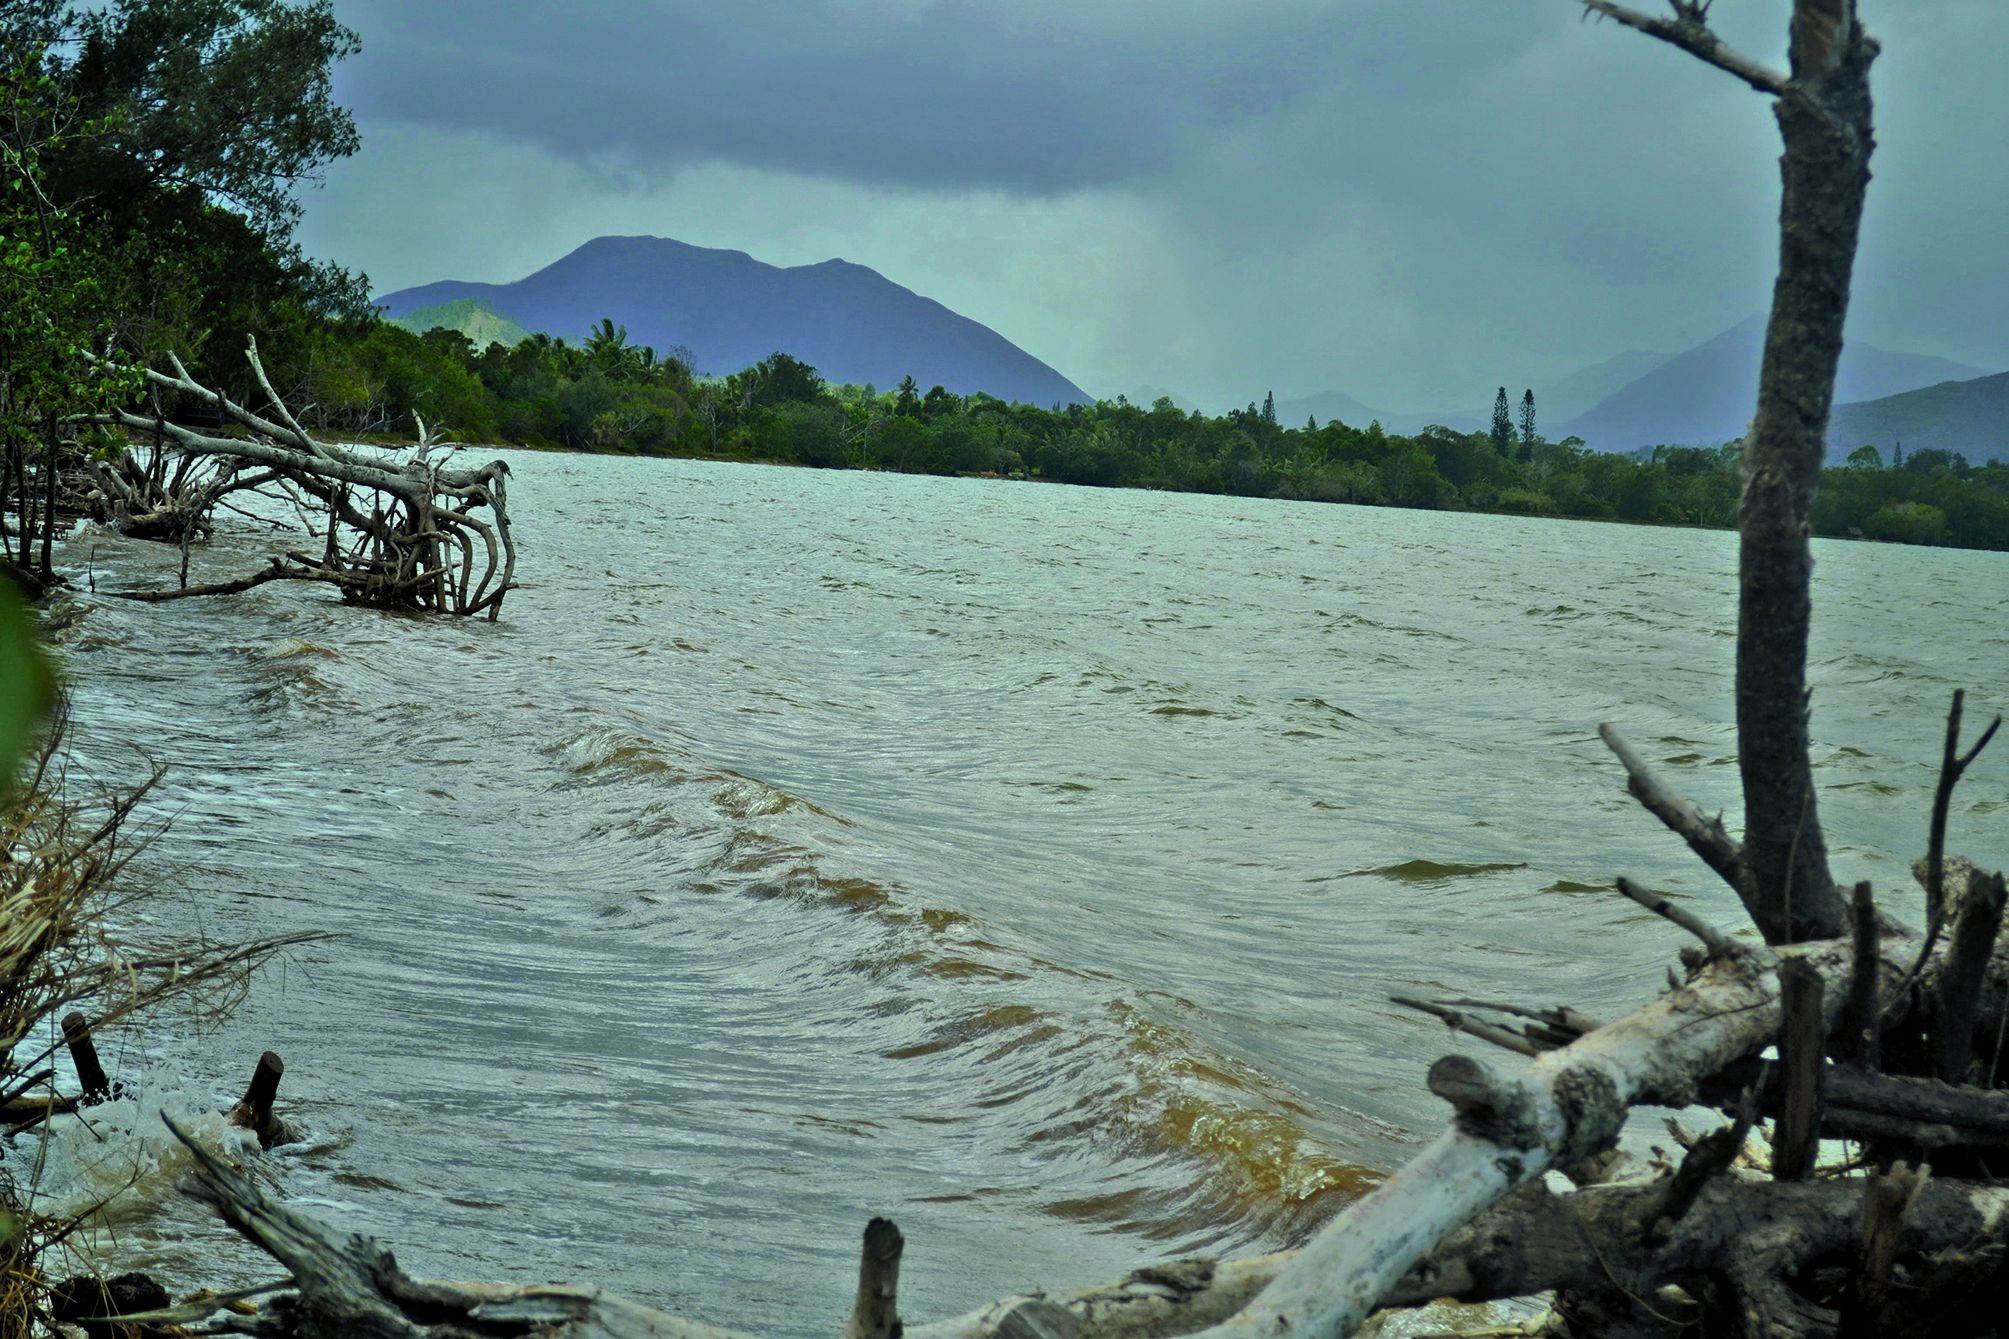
(149,213)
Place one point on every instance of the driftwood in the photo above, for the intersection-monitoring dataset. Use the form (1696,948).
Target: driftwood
(347,1285)
(395,533)
(254,1112)
(1470,1218)
(91,1079)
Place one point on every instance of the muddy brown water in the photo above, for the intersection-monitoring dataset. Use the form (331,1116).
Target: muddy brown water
(1031,864)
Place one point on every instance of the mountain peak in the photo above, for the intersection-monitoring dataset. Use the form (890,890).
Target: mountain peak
(731,309)
(1706,396)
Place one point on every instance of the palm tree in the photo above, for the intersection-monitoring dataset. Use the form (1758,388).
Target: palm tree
(608,351)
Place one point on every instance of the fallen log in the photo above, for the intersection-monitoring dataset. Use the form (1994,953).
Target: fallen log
(1534,1241)
(1567,1105)
(1537,1242)
(345,1285)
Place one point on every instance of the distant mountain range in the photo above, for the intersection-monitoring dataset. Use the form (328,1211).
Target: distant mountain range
(852,323)
(1583,390)
(855,325)
(1971,417)
(1329,405)
(1147,395)
(1705,397)
(1561,399)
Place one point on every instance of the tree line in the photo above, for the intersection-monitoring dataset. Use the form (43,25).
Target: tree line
(607,394)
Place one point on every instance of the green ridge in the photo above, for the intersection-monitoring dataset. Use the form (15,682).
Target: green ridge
(470,317)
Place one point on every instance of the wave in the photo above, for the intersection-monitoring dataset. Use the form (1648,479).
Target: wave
(1070,1067)
(1432,871)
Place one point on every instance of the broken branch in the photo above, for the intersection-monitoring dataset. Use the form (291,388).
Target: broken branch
(1687,31)
(1705,836)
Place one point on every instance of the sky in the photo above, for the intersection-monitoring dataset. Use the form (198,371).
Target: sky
(1410,201)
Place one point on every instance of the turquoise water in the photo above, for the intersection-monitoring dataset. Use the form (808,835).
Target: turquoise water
(1030,864)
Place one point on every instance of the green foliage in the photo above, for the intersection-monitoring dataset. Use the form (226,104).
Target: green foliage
(186,128)
(469,317)
(26,686)
(227,99)
(59,290)
(1932,460)
(1908,523)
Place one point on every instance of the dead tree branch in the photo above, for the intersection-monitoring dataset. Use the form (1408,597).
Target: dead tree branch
(1967,964)
(1705,836)
(1953,764)
(1566,1105)
(424,537)
(1712,938)
(1688,31)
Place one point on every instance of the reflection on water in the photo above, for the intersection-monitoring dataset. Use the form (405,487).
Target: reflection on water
(1030,864)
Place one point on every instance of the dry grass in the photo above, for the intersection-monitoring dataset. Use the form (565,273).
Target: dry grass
(63,903)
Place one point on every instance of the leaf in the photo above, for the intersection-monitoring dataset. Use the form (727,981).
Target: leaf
(26,686)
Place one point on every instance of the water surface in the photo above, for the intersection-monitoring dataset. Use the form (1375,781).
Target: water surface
(1031,864)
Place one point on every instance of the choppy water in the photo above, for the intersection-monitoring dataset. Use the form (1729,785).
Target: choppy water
(1029,863)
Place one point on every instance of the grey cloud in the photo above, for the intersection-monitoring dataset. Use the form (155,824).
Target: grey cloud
(1397,198)
(1034,96)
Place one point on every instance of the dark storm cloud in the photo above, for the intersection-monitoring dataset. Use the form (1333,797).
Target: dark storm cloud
(1034,97)
(1409,200)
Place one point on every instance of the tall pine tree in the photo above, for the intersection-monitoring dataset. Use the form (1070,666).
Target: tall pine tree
(1503,424)
(1527,418)
(1270,408)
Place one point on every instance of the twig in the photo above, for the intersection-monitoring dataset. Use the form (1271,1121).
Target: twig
(1952,764)
(1562,1018)
(1706,1157)
(276,572)
(1712,938)
(1472,1027)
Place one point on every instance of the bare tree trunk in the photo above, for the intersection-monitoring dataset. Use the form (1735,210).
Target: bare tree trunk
(52,449)
(1824,117)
